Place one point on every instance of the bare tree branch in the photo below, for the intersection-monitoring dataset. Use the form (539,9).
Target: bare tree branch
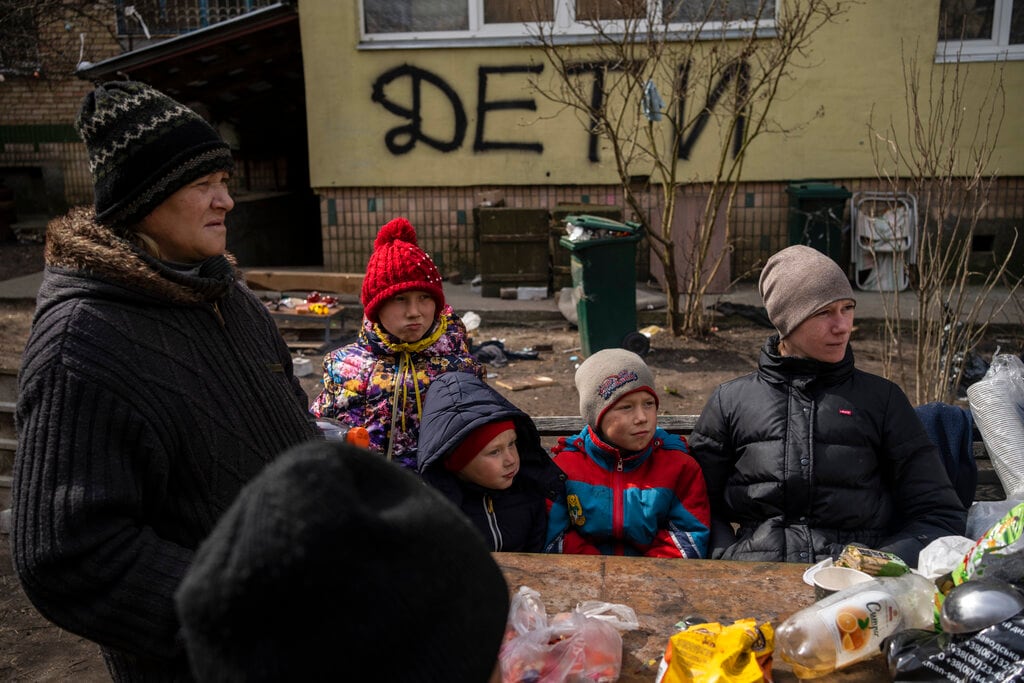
(714,85)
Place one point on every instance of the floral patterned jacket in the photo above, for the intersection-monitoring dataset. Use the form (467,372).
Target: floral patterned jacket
(378,381)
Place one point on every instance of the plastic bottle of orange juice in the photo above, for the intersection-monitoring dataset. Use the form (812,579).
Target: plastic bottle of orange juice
(848,626)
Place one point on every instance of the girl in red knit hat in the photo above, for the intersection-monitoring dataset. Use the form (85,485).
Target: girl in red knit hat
(408,337)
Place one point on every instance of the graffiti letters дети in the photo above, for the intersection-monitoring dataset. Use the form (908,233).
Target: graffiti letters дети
(402,139)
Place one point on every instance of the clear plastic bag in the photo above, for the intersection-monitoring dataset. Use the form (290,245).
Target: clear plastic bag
(525,613)
(581,645)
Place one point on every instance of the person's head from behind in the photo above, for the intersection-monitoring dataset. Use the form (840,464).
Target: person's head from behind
(334,560)
(617,398)
(809,300)
(402,287)
(160,171)
(488,456)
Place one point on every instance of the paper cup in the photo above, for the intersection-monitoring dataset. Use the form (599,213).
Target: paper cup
(829,580)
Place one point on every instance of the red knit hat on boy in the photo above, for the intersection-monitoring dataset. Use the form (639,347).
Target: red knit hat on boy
(398,265)
(474,443)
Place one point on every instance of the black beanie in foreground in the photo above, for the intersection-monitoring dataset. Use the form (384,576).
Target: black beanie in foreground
(333,562)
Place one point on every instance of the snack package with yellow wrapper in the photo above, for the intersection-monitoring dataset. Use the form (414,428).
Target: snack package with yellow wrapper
(873,562)
(740,652)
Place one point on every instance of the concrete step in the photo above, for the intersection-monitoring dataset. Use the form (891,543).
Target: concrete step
(8,437)
(8,384)
(5,492)
(7,447)
(7,420)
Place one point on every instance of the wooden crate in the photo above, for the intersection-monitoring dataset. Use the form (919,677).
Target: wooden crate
(513,248)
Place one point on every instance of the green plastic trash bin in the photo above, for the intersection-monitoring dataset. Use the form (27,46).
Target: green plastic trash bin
(603,272)
(816,217)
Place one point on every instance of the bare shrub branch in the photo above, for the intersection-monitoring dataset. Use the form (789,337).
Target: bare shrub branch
(942,154)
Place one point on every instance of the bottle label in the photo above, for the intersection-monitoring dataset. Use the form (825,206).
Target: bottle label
(860,623)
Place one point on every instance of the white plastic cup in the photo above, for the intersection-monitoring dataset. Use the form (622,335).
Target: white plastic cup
(301,366)
(829,580)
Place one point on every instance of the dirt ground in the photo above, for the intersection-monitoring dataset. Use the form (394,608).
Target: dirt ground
(686,370)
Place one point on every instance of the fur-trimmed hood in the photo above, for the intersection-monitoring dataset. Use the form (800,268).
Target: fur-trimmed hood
(76,245)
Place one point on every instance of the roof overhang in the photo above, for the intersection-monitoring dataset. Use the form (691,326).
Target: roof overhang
(249,67)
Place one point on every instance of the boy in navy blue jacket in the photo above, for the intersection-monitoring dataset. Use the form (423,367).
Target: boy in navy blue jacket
(485,455)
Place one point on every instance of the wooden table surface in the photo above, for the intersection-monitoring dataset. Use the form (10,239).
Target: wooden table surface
(663,592)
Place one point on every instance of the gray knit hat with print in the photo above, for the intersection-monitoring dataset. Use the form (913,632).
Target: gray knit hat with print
(143,147)
(608,375)
(798,281)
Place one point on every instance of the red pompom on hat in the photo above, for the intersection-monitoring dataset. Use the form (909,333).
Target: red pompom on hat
(398,265)
(474,443)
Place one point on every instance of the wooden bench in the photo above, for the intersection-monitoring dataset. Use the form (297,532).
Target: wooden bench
(564,425)
(551,426)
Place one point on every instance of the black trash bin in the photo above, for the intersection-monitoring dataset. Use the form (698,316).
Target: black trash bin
(816,217)
(603,271)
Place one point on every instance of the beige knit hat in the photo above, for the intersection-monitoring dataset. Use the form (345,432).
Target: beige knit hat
(798,281)
(608,375)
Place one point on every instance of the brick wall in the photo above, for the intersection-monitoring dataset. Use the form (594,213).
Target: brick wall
(38,146)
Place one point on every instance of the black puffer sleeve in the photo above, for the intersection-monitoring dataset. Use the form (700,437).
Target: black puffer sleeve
(711,446)
(927,506)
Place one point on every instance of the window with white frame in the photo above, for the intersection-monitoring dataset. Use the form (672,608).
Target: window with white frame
(980,30)
(430,23)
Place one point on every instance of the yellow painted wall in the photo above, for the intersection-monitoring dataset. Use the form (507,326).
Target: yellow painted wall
(854,73)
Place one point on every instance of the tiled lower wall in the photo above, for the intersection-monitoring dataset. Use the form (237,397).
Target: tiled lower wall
(443,217)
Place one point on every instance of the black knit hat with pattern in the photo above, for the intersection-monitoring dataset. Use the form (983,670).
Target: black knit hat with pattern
(143,146)
(334,560)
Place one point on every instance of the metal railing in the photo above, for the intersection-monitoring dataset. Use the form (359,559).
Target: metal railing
(165,18)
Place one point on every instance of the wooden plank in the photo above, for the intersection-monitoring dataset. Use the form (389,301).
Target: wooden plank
(303,281)
(304,345)
(528,383)
(663,592)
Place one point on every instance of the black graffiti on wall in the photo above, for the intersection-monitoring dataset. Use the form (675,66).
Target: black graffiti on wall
(480,143)
(738,71)
(404,138)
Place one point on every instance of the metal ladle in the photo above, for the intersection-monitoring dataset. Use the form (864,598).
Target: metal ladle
(979,603)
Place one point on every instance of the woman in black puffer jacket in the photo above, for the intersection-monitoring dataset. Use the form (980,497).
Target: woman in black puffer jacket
(809,454)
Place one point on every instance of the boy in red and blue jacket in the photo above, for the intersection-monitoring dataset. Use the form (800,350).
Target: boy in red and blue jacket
(632,488)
